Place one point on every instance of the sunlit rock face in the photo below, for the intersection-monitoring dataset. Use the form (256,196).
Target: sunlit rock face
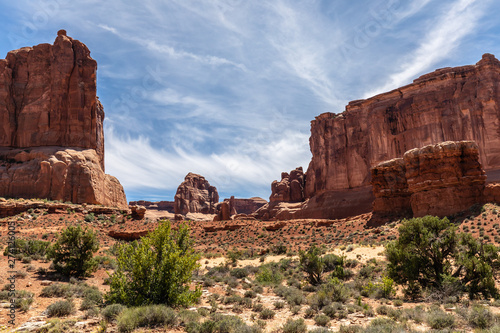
(48,99)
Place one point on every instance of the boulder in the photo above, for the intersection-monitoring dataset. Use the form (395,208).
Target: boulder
(138,212)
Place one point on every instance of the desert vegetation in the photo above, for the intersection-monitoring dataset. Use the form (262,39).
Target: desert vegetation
(434,275)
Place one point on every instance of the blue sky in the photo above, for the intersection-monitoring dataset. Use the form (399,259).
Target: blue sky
(227,88)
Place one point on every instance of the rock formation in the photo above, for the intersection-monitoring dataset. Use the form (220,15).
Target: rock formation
(449,104)
(286,197)
(195,195)
(225,210)
(157,205)
(52,126)
(290,188)
(248,206)
(237,208)
(441,180)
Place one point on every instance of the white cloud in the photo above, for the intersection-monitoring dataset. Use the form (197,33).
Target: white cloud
(443,36)
(137,164)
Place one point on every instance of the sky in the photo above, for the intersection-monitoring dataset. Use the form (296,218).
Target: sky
(227,88)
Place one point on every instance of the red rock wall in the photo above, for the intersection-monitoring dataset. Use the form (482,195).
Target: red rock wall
(440,180)
(450,104)
(48,97)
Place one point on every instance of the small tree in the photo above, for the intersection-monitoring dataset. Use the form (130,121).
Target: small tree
(72,254)
(156,270)
(312,264)
(430,253)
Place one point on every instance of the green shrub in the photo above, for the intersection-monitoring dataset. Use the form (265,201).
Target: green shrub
(312,264)
(156,270)
(429,251)
(332,261)
(112,311)
(268,274)
(222,324)
(294,326)
(27,247)
(61,308)
(72,253)
(321,320)
(438,319)
(239,273)
(267,314)
(480,317)
(146,316)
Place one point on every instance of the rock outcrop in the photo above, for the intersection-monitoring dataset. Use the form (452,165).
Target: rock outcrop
(157,205)
(237,208)
(56,173)
(290,188)
(450,104)
(51,130)
(441,180)
(248,206)
(225,210)
(195,195)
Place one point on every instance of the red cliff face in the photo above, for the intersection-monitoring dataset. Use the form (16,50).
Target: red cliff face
(48,99)
(450,104)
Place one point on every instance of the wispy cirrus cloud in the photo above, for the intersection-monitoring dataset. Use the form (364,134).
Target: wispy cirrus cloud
(227,88)
(455,22)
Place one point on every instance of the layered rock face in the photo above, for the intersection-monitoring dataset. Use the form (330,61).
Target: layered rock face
(195,195)
(450,104)
(48,99)
(441,180)
(66,174)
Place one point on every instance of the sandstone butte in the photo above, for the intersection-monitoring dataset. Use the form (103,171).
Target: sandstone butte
(51,132)
(195,195)
(449,104)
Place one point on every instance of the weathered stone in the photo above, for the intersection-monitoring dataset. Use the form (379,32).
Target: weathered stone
(138,212)
(56,173)
(128,235)
(195,195)
(158,205)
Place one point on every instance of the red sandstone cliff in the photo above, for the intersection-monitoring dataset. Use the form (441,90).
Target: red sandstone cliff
(48,99)
(450,104)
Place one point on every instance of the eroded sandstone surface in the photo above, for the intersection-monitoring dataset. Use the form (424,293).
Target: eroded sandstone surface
(441,179)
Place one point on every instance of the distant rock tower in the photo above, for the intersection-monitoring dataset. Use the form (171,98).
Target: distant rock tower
(195,195)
